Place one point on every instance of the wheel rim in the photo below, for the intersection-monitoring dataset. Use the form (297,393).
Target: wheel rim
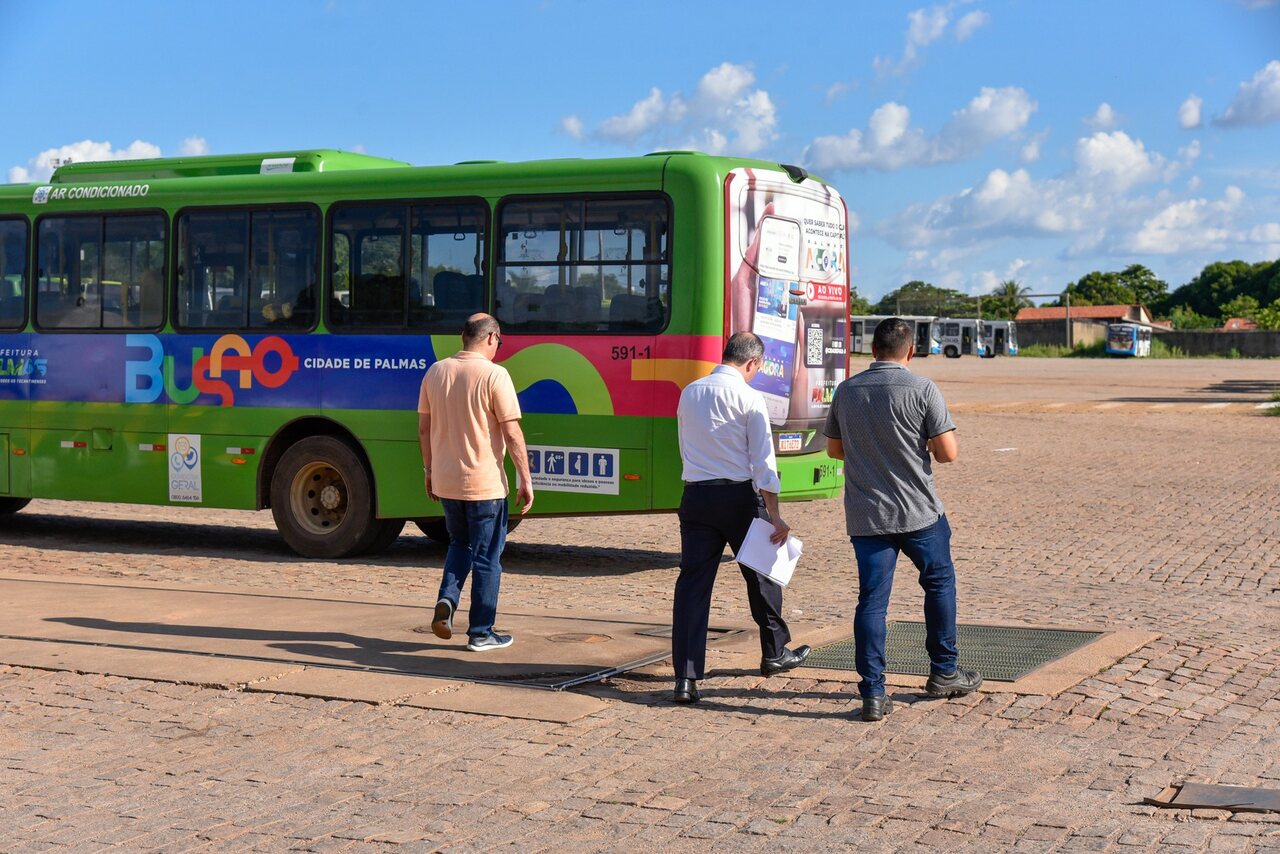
(319,498)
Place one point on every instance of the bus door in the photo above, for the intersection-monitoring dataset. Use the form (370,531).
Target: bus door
(855,332)
(966,339)
(998,345)
(922,338)
(789,283)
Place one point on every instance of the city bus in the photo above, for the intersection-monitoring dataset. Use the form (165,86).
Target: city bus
(1128,339)
(250,331)
(863,327)
(1000,337)
(961,336)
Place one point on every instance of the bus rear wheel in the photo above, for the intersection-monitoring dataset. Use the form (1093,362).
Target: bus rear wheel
(435,528)
(322,500)
(951,353)
(12,505)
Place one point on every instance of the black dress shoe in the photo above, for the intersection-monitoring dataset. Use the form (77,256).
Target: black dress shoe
(789,660)
(686,691)
(875,708)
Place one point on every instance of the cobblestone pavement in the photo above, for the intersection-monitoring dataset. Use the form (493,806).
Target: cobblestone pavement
(1162,520)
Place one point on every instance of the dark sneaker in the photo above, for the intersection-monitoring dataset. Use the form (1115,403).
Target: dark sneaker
(953,684)
(484,643)
(875,708)
(442,622)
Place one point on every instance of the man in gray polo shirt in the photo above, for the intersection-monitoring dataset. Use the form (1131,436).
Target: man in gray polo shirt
(884,423)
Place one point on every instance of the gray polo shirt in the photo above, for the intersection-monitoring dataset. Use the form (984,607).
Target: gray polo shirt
(884,416)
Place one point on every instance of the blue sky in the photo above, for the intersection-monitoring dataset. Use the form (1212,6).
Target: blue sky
(974,141)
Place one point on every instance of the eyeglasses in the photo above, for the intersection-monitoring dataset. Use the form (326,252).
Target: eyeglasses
(499,337)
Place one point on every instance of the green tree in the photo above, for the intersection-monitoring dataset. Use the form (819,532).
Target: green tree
(1222,281)
(1269,317)
(1005,300)
(1099,288)
(1184,318)
(858,304)
(1147,289)
(917,297)
(1241,306)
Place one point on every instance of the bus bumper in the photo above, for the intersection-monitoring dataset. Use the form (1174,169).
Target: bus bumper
(807,477)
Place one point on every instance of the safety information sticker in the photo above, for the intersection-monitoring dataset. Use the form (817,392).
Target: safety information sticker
(558,469)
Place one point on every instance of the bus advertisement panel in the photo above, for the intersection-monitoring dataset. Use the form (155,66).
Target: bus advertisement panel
(789,283)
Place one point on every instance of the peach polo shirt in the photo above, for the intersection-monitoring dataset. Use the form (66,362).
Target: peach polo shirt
(468,398)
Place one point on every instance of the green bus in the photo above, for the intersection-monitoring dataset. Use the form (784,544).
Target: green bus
(251,331)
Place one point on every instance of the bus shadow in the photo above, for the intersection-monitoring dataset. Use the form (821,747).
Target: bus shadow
(411,551)
(1223,391)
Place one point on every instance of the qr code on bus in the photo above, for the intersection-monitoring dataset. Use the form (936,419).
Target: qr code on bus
(813,347)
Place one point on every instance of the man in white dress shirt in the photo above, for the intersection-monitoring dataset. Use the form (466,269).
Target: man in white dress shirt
(726,446)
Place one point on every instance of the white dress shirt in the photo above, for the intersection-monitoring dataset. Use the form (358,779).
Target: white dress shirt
(725,432)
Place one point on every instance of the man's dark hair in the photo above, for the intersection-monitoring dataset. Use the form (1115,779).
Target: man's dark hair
(892,339)
(478,327)
(742,348)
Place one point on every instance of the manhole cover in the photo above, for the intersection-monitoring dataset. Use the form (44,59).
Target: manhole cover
(578,637)
(1000,653)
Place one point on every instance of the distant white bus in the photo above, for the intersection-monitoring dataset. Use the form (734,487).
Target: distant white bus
(1001,337)
(960,336)
(863,327)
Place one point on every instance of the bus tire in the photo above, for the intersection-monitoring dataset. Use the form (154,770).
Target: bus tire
(9,506)
(951,352)
(434,528)
(322,499)
(388,531)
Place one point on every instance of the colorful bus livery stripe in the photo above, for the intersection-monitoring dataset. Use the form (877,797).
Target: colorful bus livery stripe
(346,372)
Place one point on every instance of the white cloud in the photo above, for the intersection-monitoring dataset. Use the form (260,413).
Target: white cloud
(359,148)
(572,125)
(924,27)
(40,167)
(1190,225)
(970,23)
(193,146)
(837,90)
(1189,112)
(1116,160)
(1031,151)
(725,114)
(1104,118)
(890,143)
(1257,101)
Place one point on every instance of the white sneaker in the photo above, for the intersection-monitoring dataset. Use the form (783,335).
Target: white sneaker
(490,641)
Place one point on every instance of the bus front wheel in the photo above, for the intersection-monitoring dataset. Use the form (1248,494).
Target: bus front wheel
(322,500)
(951,353)
(12,505)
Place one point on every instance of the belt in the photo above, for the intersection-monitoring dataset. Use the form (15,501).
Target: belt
(719,481)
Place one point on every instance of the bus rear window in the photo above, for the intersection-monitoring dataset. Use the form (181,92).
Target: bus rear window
(584,265)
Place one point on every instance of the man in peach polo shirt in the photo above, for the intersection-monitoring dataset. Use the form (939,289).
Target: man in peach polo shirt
(468,418)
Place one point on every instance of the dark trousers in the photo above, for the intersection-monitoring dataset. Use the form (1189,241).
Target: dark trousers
(710,518)
(477,534)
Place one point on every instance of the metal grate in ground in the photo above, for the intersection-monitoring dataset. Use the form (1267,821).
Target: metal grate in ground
(1000,653)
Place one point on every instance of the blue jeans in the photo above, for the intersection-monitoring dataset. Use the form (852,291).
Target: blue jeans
(930,550)
(477,533)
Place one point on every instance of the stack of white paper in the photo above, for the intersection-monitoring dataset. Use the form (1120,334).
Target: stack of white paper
(775,563)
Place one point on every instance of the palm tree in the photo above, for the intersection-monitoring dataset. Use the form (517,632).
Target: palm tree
(1008,297)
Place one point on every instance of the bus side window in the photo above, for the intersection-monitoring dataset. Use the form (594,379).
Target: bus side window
(213,259)
(285,247)
(13,273)
(583,265)
(91,271)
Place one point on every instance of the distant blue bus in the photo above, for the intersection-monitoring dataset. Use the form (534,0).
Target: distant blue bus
(1128,339)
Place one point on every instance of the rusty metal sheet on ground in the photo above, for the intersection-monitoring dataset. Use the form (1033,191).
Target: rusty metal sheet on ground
(1206,796)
